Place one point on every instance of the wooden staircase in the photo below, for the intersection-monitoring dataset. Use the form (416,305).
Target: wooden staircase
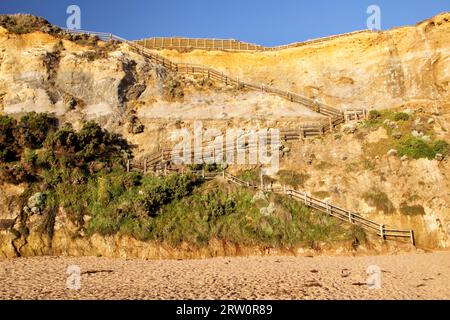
(335,116)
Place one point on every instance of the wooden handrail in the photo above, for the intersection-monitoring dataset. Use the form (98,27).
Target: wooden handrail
(335,115)
(318,204)
(346,215)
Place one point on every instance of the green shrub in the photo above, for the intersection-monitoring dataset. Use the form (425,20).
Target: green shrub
(7,154)
(358,233)
(416,148)
(8,127)
(401,116)
(90,144)
(9,146)
(253,176)
(30,157)
(34,128)
(23,23)
(233,217)
(16,174)
(441,147)
(208,167)
(65,140)
(162,191)
(218,204)
(374,115)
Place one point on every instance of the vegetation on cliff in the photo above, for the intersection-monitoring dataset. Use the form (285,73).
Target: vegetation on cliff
(412,136)
(82,173)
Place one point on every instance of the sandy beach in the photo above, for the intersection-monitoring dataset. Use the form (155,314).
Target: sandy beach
(406,276)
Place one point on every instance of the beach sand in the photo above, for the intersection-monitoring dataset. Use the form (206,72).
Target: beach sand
(405,276)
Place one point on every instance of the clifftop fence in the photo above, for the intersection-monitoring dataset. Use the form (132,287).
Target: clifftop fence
(336,116)
(182,43)
(199,43)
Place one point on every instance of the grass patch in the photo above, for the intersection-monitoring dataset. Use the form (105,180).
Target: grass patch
(379,200)
(292,178)
(399,128)
(358,233)
(254,177)
(321,194)
(323,165)
(401,116)
(417,148)
(367,164)
(411,210)
(232,216)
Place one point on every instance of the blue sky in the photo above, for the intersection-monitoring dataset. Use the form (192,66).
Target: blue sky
(259,21)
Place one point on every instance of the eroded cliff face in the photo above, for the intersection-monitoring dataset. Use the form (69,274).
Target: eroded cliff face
(405,67)
(354,171)
(41,72)
(370,69)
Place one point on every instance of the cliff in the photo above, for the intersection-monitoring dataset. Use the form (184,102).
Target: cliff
(407,65)
(406,69)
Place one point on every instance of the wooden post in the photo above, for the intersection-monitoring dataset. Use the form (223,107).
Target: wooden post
(328,208)
(128,165)
(223,174)
(262,182)
(382,231)
(350,217)
(203,173)
(411,235)
(306,199)
(182,171)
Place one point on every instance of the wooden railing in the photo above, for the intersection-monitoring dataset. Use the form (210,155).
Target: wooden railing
(336,116)
(181,43)
(309,201)
(330,209)
(161,159)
